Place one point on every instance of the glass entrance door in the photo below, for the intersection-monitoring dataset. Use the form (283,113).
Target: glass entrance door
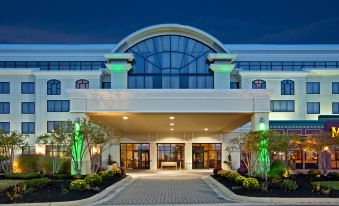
(206,156)
(140,160)
(135,156)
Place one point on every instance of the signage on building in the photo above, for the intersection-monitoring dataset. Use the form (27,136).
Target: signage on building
(332,128)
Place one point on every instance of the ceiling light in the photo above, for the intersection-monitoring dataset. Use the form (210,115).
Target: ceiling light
(206,129)
(172,129)
(125,117)
(171,117)
(172,124)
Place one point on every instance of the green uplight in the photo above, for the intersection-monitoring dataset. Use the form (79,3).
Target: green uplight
(77,146)
(263,154)
(116,67)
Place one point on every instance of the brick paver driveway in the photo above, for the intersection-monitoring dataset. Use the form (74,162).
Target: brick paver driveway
(164,189)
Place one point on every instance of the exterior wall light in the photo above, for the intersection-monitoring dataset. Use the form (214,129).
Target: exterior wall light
(262,125)
(125,118)
(206,129)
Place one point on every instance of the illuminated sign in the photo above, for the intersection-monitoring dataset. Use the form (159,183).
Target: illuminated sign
(335,131)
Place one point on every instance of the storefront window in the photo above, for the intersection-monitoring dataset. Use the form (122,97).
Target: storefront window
(171,153)
(206,155)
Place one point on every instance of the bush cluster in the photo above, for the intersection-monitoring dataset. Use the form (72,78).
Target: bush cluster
(251,183)
(314,172)
(216,170)
(78,185)
(288,185)
(116,171)
(23,176)
(240,179)
(93,179)
(36,183)
(106,175)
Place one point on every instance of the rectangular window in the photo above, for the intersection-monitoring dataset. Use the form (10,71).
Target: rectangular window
(335,107)
(54,125)
(57,105)
(4,108)
(27,88)
(282,105)
(234,85)
(313,87)
(4,88)
(106,85)
(27,107)
(335,87)
(313,107)
(5,127)
(28,127)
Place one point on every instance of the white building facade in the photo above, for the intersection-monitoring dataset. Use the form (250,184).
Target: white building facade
(177,93)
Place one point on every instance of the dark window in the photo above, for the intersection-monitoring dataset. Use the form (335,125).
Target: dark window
(170,62)
(234,85)
(282,105)
(56,125)
(28,127)
(335,107)
(106,85)
(28,107)
(335,87)
(4,88)
(258,84)
(82,84)
(287,87)
(57,105)
(313,87)
(4,107)
(27,88)
(53,87)
(5,127)
(313,107)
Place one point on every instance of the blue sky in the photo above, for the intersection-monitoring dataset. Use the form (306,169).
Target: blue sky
(108,21)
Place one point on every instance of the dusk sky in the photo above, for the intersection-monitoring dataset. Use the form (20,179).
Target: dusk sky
(108,21)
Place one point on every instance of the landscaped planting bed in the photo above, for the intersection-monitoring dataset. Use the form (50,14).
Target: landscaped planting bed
(58,188)
(306,186)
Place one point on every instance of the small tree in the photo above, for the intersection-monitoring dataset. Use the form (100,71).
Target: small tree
(9,143)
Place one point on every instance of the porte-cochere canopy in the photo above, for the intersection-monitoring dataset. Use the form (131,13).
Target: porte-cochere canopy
(171,62)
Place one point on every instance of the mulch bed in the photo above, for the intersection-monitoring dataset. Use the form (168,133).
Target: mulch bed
(53,192)
(305,188)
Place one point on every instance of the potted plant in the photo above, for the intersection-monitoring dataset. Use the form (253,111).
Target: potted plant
(109,162)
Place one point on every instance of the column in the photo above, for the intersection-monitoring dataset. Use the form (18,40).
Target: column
(260,121)
(221,64)
(118,64)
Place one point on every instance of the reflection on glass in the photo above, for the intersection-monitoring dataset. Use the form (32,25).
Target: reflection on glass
(171,153)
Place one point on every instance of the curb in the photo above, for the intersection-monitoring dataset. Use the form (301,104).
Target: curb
(274,200)
(82,202)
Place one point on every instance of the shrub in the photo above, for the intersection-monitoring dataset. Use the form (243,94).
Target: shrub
(36,183)
(65,166)
(78,185)
(116,170)
(24,176)
(275,180)
(288,185)
(223,173)
(242,170)
(240,179)
(278,168)
(334,175)
(93,179)
(251,183)
(216,170)
(101,168)
(314,172)
(232,176)
(106,175)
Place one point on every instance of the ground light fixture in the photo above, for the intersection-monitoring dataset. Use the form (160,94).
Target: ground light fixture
(206,129)
(172,129)
(125,118)
(171,117)
(171,124)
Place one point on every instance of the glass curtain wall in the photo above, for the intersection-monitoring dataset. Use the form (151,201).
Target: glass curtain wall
(171,153)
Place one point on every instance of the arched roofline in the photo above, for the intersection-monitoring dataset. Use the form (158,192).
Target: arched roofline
(169,29)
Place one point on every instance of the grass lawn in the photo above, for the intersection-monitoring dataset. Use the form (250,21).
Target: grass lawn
(4,184)
(328,184)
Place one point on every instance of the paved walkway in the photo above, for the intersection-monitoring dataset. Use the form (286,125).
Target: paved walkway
(162,188)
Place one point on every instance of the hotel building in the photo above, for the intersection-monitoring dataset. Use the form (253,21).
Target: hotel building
(176,92)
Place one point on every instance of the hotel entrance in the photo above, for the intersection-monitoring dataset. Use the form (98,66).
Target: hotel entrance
(135,156)
(206,156)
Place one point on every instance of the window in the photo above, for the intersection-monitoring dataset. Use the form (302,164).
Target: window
(206,156)
(171,153)
(57,105)
(335,87)
(55,125)
(287,87)
(170,62)
(313,87)
(282,105)
(27,107)
(258,84)
(53,87)
(27,88)
(234,85)
(5,127)
(28,127)
(313,107)
(82,84)
(106,85)
(4,88)
(4,108)
(335,107)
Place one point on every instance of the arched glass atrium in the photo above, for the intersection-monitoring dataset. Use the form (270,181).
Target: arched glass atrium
(170,62)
